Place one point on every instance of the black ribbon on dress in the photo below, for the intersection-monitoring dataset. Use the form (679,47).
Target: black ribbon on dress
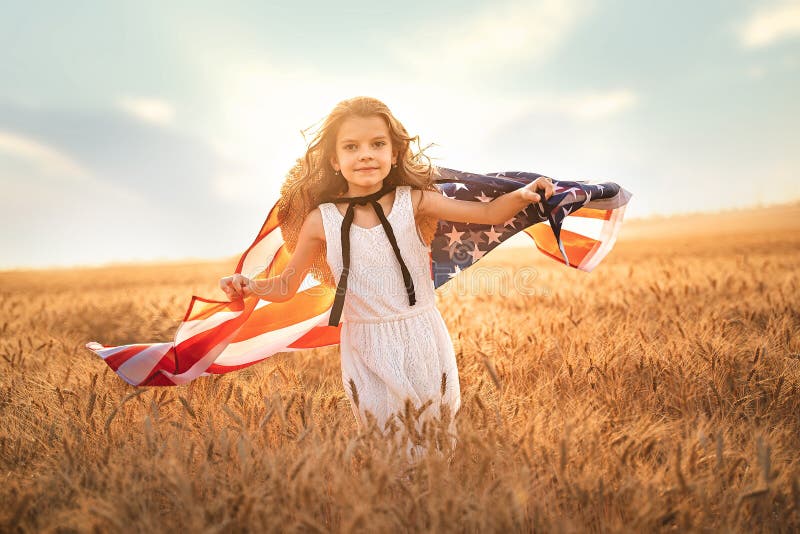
(341,288)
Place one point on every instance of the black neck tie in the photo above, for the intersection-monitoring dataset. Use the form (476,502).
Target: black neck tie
(341,289)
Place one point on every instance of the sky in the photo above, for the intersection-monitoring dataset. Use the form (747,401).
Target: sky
(152,131)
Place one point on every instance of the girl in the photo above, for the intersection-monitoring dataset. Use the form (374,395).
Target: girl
(360,210)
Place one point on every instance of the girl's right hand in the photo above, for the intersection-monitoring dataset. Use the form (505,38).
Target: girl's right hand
(235,286)
(531,192)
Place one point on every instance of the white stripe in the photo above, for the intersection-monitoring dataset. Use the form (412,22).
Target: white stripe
(262,254)
(267,344)
(608,237)
(201,365)
(584,226)
(189,329)
(287,349)
(618,200)
(308,282)
(105,352)
(138,367)
(289,335)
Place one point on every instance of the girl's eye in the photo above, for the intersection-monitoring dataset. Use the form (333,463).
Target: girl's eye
(351,145)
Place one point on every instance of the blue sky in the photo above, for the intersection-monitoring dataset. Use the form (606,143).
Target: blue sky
(152,131)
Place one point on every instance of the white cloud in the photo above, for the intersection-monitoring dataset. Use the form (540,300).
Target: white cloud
(498,34)
(49,160)
(152,110)
(581,105)
(771,24)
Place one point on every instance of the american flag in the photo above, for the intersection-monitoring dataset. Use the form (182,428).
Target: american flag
(577,226)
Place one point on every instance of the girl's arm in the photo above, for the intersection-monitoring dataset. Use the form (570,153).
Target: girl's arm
(497,211)
(283,287)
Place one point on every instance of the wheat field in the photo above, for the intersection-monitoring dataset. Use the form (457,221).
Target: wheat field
(658,393)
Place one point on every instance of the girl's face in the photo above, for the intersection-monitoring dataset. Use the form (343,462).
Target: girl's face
(363,151)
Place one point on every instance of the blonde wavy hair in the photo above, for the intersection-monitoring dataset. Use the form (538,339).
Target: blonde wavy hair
(312,181)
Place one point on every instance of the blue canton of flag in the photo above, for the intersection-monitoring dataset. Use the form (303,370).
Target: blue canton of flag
(456,246)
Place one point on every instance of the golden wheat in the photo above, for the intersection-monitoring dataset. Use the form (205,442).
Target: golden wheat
(659,393)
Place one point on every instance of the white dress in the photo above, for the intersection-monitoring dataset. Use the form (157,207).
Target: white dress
(391,350)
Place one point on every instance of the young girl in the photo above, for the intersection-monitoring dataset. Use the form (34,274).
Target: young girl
(360,211)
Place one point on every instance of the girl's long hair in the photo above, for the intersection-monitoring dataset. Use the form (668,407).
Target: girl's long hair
(312,181)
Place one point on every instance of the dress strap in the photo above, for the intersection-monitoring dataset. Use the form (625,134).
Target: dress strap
(341,288)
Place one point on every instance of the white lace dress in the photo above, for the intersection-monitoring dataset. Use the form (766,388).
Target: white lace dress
(390,350)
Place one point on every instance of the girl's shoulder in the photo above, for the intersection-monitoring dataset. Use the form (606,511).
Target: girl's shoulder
(312,225)
(416,198)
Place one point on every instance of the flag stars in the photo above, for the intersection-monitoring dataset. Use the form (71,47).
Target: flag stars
(483,197)
(476,253)
(454,236)
(493,236)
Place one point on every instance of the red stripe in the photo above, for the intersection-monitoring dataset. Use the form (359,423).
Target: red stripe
(302,306)
(208,308)
(156,376)
(192,350)
(592,213)
(319,336)
(576,246)
(116,360)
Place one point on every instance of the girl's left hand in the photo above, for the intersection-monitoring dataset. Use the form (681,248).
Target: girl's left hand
(542,183)
(236,286)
